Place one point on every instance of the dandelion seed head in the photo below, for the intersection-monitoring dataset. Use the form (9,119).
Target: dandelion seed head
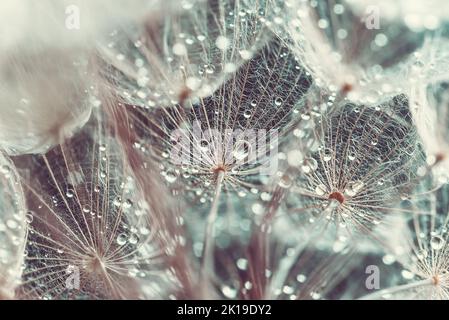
(12,228)
(365,161)
(97,227)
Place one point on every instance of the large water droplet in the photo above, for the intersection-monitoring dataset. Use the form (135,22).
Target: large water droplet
(437,243)
(122,238)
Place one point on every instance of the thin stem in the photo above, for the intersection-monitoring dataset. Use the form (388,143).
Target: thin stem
(208,244)
(380,293)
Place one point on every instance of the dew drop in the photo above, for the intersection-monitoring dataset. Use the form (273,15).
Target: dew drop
(285,182)
(69,193)
(133,239)
(301,278)
(222,43)
(421,254)
(29,217)
(257,208)
(6,170)
(86,208)
(309,165)
(122,238)
(229,292)
(437,243)
(170,176)
(320,189)
(204,145)
(278,101)
(117,201)
(327,155)
(241,150)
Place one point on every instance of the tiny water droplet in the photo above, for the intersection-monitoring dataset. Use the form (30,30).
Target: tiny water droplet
(86,208)
(69,193)
(204,145)
(327,154)
(278,101)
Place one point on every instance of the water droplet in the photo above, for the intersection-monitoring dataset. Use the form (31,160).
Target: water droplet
(309,165)
(265,196)
(229,292)
(86,208)
(353,188)
(437,243)
(222,43)
(327,154)
(171,176)
(253,103)
(285,182)
(257,208)
(122,238)
(278,101)
(133,239)
(242,264)
(247,114)
(6,170)
(320,189)
(179,49)
(241,150)
(12,224)
(117,201)
(204,145)
(128,204)
(29,217)
(69,193)
(301,278)
(245,54)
